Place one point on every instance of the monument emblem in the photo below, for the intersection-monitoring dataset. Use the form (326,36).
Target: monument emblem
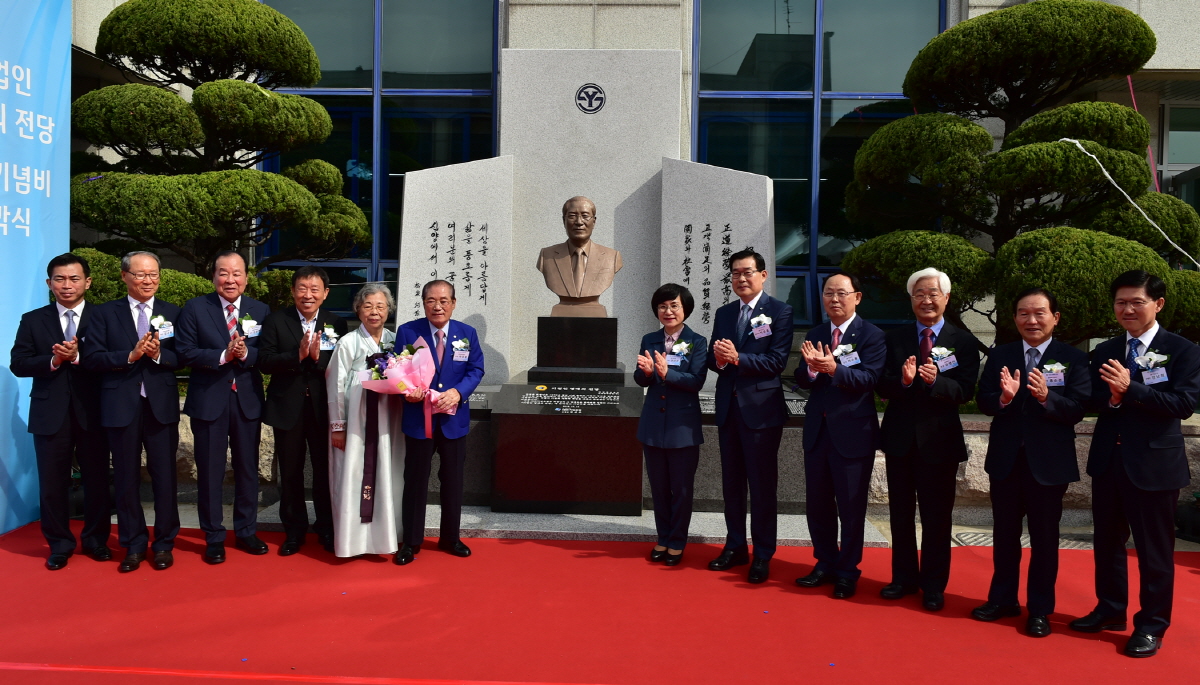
(590,98)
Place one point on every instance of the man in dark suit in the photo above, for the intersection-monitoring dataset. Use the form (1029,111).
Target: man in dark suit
(218,336)
(842,362)
(751,341)
(930,371)
(1037,389)
(459,361)
(64,412)
(1144,383)
(297,343)
(132,344)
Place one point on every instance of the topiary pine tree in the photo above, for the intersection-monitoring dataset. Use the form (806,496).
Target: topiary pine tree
(186,180)
(1042,207)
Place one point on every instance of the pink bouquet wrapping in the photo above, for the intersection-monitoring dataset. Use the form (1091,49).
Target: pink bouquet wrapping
(407,372)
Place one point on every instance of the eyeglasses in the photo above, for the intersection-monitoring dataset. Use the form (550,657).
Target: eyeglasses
(672,307)
(837,295)
(571,216)
(433,303)
(926,297)
(149,275)
(367,307)
(739,275)
(1136,304)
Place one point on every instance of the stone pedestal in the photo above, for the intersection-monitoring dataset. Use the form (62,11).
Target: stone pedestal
(567,449)
(580,349)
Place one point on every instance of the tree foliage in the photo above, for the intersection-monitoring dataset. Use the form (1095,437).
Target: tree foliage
(186,181)
(1030,199)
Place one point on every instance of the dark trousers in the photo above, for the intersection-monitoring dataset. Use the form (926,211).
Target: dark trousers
(912,482)
(418,461)
(1118,507)
(1014,498)
(161,441)
(672,475)
(53,454)
(310,435)
(749,456)
(234,432)
(836,490)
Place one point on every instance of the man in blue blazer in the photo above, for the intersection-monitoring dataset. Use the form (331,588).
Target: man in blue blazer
(64,412)
(459,360)
(1144,382)
(751,341)
(1037,389)
(842,362)
(931,369)
(217,336)
(132,344)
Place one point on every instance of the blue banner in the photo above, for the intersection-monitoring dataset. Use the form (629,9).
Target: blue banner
(35,146)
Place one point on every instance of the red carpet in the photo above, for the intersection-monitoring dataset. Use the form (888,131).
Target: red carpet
(540,612)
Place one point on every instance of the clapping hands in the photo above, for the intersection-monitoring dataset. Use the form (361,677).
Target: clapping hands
(651,365)
(236,349)
(65,352)
(310,346)
(819,357)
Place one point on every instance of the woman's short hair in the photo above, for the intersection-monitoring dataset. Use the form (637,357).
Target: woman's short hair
(943,280)
(372,289)
(670,291)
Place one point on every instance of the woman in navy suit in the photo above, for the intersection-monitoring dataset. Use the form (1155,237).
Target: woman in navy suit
(671,365)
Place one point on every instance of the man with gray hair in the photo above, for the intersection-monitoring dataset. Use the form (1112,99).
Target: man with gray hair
(929,372)
(132,343)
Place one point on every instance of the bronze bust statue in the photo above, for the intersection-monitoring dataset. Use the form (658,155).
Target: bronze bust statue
(579,270)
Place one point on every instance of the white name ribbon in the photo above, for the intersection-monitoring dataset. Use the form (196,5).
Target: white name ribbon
(461,355)
(1152,376)
(762,331)
(674,360)
(1055,379)
(166,331)
(849,359)
(947,363)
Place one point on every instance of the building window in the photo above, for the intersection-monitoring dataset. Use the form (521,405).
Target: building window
(410,85)
(774,99)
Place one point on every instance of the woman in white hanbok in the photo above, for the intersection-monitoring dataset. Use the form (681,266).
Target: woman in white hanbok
(348,420)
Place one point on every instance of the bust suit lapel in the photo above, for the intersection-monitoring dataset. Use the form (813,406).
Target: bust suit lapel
(562,259)
(595,263)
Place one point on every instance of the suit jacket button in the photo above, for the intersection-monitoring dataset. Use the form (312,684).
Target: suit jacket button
(662,397)
(662,409)
(439,385)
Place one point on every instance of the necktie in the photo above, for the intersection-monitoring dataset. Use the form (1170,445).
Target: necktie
(1032,357)
(231,324)
(70,333)
(837,338)
(926,345)
(743,320)
(441,344)
(670,342)
(580,266)
(143,324)
(1129,362)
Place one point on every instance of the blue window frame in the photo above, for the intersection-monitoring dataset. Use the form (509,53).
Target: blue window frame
(446,114)
(762,83)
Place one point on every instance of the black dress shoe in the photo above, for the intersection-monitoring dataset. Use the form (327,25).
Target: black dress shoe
(760,570)
(457,548)
(326,540)
(163,560)
(131,562)
(815,579)
(1094,623)
(101,553)
(251,544)
(933,601)
(214,552)
(896,591)
(844,588)
(673,559)
(404,556)
(1037,626)
(57,561)
(1142,645)
(728,559)
(657,555)
(289,547)
(991,611)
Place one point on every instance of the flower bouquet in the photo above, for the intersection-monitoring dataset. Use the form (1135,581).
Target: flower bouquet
(407,372)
